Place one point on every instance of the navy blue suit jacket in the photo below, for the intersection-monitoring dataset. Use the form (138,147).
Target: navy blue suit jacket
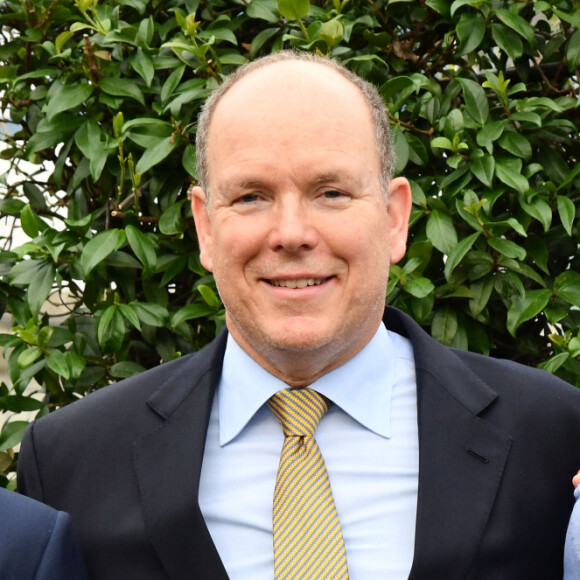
(36,541)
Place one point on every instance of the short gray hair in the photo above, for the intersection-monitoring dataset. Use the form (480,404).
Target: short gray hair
(369,91)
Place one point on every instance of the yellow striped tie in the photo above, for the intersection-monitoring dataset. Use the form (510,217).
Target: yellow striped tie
(308,541)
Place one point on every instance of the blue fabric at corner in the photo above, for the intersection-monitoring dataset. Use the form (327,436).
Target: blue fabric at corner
(572,550)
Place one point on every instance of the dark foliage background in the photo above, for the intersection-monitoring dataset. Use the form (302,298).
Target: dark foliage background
(98,259)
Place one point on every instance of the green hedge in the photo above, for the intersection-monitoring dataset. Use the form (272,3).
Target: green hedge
(99,107)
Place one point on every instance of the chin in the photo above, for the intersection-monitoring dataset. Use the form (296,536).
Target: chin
(299,340)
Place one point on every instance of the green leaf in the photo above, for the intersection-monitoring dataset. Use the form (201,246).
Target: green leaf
(517,227)
(573,51)
(28,356)
(142,246)
(507,248)
(171,84)
(68,98)
(419,287)
(142,64)
(516,144)
(567,212)
(440,6)
(481,290)
(21,404)
(483,168)
(156,154)
(195,310)
(11,434)
(40,287)
(125,369)
(401,147)
(457,253)
(111,330)
(121,87)
(56,361)
(444,325)
(129,313)
(146,30)
(29,222)
(294,9)
(441,231)
(332,32)
(442,143)
(538,209)
(567,287)
(171,221)
(526,307)
(510,43)
(509,171)
(527,117)
(11,206)
(574,347)
(518,24)
(554,363)
(188,160)
(264,10)
(88,140)
(151,314)
(209,296)
(471,31)
(458,4)
(262,37)
(475,100)
(224,34)
(490,133)
(62,39)
(100,247)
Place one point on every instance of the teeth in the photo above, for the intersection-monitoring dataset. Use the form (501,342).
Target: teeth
(298,282)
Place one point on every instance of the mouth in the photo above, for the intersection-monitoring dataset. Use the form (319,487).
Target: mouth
(297,282)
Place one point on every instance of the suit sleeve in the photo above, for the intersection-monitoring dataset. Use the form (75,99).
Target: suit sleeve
(61,557)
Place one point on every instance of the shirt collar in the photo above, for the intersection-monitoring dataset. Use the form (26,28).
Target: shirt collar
(361,387)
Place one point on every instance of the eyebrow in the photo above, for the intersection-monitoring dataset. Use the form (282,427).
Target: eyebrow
(329,177)
(250,184)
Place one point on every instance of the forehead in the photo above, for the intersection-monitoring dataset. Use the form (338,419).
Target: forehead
(292,106)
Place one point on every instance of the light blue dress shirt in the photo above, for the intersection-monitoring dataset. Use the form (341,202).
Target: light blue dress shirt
(572,549)
(369,441)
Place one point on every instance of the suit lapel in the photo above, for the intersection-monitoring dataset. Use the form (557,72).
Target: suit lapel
(461,458)
(168,462)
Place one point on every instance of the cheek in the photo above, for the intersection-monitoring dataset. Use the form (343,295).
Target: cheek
(232,251)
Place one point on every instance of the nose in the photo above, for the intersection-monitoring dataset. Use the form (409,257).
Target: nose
(293,228)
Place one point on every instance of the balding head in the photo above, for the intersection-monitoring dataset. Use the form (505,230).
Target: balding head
(368,92)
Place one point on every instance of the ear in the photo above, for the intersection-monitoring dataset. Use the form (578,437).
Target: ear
(399,210)
(202,226)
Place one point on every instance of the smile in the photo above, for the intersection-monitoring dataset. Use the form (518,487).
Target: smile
(298,282)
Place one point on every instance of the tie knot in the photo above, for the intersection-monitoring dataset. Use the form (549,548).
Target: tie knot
(299,410)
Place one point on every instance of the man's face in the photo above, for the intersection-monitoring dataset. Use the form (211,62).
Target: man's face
(298,234)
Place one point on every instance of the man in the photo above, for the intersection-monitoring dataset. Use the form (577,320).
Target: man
(442,464)
(36,542)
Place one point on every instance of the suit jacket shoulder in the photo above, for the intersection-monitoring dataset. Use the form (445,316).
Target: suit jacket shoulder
(36,541)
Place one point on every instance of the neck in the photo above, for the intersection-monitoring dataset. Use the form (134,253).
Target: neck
(300,367)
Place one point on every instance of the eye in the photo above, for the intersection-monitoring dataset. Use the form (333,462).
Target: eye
(248,198)
(334,194)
